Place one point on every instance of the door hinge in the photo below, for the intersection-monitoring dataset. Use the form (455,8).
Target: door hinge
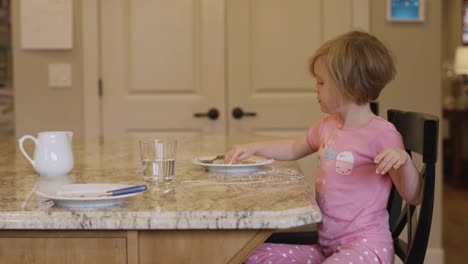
(100,89)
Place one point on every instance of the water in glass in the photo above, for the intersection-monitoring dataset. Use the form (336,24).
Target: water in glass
(159,170)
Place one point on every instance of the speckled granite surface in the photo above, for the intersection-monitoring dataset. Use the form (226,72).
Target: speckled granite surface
(274,197)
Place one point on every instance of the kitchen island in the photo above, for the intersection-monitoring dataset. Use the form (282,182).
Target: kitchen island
(202,217)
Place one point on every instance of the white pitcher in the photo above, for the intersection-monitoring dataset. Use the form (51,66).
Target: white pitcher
(52,154)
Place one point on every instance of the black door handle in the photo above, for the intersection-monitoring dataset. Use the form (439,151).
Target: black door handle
(212,114)
(238,113)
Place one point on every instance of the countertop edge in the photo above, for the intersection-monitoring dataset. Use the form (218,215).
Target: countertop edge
(102,220)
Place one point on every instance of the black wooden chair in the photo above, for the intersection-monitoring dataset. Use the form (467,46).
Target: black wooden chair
(420,135)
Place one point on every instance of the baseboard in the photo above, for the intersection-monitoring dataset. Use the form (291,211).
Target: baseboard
(433,256)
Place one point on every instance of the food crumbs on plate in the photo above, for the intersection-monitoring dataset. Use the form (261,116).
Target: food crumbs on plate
(239,162)
(245,162)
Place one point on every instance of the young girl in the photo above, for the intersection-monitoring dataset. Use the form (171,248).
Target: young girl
(359,155)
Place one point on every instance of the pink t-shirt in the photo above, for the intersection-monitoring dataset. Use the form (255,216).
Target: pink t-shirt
(351,195)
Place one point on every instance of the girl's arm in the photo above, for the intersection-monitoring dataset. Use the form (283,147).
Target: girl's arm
(288,149)
(404,173)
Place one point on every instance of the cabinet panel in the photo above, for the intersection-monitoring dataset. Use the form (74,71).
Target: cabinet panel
(61,250)
(199,246)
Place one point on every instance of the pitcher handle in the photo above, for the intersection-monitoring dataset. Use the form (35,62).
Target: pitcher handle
(20,141)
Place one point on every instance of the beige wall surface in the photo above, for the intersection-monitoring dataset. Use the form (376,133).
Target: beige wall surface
(416,46)
(417,86)
(39,107)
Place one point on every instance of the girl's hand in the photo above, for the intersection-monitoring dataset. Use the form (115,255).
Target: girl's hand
(390,158)
(238,153)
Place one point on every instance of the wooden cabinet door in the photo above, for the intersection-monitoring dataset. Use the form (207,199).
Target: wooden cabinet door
(57,247)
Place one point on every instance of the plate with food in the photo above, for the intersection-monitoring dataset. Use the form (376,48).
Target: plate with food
(88,195)
(216,164)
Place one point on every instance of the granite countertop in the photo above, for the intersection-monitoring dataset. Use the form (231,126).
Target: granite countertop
(274,197)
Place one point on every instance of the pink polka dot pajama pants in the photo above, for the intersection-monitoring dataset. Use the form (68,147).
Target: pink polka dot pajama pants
(351,253)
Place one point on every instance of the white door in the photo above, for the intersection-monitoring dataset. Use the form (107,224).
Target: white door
(162,62)
(269,43)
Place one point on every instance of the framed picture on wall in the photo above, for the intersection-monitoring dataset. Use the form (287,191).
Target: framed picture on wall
(406,10)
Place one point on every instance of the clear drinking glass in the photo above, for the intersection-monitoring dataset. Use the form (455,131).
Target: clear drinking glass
(158,157)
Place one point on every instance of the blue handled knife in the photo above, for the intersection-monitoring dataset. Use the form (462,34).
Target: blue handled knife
(127,190)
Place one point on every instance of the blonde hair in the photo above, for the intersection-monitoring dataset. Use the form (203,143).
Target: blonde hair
(359,64)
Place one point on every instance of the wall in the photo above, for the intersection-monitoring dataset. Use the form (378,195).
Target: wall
(37,106)
(417,86)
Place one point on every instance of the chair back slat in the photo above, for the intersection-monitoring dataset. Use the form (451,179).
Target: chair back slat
(419,132)
(421,237)
(401,248)
(394,206)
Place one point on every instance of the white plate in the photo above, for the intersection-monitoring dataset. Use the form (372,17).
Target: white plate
(83,195)
(232,168)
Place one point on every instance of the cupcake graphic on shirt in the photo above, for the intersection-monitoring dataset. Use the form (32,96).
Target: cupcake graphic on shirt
(344,162)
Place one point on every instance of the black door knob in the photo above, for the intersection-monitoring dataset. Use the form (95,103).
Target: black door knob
(238,113)
(212,114)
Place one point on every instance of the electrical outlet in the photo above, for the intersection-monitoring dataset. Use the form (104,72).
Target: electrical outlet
(60,75)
